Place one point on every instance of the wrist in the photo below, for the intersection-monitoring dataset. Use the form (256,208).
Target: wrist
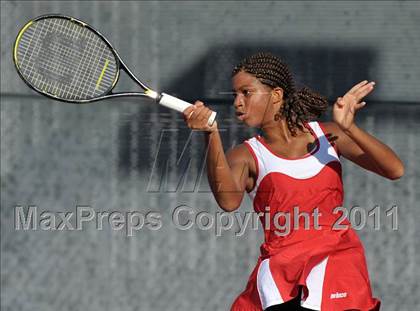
(213,128)
(350,130)
(211,135)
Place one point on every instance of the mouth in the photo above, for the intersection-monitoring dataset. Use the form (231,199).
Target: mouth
(240,114)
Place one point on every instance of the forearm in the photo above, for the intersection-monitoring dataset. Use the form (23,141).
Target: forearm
(227,192)
(380,154)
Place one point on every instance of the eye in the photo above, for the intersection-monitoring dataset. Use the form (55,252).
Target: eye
(246,93)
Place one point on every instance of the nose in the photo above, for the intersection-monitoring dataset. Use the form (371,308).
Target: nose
(238,102)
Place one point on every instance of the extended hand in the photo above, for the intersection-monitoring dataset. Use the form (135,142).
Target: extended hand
(196,117)
(345,107)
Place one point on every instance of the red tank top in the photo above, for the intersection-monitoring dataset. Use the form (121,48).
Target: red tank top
(303,244)
(310,186)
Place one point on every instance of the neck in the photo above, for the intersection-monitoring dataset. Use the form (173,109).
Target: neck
(278,131)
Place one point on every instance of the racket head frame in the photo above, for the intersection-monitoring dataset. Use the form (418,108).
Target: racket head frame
(119,64)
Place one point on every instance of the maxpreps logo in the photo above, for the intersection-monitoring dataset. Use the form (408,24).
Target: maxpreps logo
(338,295)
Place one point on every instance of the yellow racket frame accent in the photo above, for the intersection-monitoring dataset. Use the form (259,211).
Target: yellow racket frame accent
(18,40)
(102,74)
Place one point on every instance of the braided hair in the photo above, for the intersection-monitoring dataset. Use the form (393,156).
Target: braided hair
(299,106)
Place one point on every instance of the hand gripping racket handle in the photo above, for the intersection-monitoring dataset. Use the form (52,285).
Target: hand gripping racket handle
(180,105)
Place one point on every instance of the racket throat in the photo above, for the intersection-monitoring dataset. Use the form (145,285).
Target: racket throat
(152,94)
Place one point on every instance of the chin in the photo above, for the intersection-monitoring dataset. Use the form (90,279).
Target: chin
(249,123)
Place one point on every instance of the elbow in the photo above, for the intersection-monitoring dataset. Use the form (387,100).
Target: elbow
(229,200)
(229,205)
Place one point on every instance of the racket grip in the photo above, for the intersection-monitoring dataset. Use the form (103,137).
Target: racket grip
(180,105)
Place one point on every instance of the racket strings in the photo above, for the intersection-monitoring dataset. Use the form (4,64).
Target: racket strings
(66,60)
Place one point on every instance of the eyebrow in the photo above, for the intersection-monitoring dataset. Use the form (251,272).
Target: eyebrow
(244,86)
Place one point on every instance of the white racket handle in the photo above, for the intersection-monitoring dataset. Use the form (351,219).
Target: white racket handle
(180,105)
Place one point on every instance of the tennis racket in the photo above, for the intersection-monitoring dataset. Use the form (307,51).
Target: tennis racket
(68,60)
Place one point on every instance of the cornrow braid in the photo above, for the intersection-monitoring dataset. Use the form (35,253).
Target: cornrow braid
(299,106)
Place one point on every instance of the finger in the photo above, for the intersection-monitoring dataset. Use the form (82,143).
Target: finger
(358,85)
(207,115)
(197,111)
(365,90)
(198,105)
(188,111)
(359,106)
(201,115)
(190,115)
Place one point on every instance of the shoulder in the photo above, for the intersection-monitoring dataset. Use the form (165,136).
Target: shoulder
(241,159)
(329,127)
(243,155)
(239,153)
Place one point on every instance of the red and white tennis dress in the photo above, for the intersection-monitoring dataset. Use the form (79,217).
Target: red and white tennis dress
(328,262)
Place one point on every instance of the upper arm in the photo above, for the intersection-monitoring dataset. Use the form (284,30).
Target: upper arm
(349,148)
(240,162)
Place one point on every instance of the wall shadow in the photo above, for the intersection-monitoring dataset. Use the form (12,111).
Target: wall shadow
(327,69)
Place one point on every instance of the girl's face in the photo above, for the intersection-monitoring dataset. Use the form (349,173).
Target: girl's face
(254,102)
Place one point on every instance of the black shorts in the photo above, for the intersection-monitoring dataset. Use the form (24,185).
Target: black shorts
(291,305)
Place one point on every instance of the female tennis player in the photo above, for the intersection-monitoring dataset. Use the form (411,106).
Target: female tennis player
(318,263)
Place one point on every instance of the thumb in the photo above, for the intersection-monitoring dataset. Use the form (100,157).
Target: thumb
(340,101)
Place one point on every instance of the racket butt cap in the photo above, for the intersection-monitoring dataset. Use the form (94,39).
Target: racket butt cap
(212,118)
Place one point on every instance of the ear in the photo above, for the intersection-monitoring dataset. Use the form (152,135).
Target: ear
(277,95)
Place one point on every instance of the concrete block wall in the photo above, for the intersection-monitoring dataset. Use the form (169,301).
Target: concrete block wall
(165,41)
(57,156)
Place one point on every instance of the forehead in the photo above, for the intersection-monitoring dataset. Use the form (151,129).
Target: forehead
(243,79)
